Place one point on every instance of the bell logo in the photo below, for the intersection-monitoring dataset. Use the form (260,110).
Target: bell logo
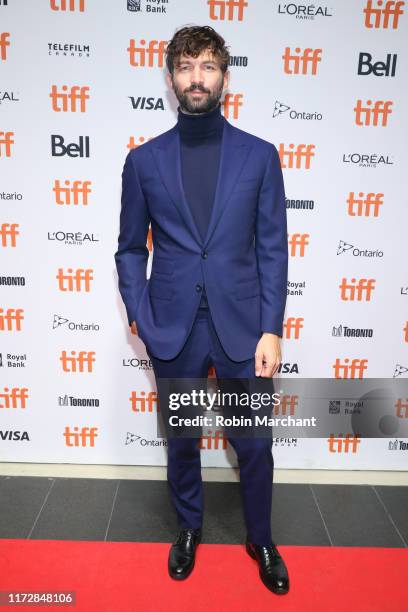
(232,101)
(354,290)
(370,115)
(212,440)
(66,100)
(368,206)
(78,280)
(286,402)
(153,54)
(14,398)
(299,63)
(235,9)
(342,444)
(59,148)
(405,329)
(4,43)
(293,325)
(141,403)
(8,233)
(132,145)
(296,158)
(68,5)
(77,363)
(298,243)
(80,436)
(6,140)
(401,407)
(380,17)
(11,319)
(77,194)
(355,369)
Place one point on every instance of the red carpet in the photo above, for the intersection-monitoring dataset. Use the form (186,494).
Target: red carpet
(127,577)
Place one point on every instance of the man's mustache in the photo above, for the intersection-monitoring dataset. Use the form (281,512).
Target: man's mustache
(194,88)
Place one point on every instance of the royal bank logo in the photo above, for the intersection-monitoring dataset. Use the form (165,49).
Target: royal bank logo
(295,288)
(345,247)
(148,6)
(13,360)
(291,113)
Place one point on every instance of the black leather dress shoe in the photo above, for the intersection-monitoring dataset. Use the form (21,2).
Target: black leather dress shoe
(182,553)
(272,568)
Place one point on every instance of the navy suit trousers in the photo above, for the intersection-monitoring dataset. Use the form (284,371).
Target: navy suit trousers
(202,349)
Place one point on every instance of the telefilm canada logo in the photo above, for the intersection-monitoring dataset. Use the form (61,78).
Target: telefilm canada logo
(59,49)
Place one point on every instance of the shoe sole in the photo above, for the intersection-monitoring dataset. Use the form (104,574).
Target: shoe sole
(277,591)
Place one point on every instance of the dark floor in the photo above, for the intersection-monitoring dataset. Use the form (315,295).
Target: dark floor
(140,511)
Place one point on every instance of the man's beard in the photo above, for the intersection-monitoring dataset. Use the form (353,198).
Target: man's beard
(204,103)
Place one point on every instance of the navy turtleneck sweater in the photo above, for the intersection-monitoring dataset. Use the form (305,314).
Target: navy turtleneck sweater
(200,139)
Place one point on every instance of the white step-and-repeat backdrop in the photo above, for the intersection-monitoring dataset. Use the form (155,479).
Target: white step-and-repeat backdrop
(82,82)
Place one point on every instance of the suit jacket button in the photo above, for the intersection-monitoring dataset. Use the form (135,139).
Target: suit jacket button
(198,287)
(204,254)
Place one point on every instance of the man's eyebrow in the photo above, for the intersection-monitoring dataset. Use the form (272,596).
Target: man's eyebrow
(188,61)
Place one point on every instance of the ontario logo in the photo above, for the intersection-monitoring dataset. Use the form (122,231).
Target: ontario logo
(283,109)
(345,247)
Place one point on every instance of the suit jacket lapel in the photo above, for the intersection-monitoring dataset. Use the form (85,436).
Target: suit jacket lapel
(233,155)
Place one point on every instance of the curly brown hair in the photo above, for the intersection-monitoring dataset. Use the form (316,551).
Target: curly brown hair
(192,40)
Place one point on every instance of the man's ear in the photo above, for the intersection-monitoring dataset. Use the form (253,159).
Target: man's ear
(226,81)
(169,80)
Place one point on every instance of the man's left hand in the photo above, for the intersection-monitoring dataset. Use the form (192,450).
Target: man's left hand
(267,355)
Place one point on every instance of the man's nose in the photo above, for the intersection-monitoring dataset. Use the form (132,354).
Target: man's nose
(197,76)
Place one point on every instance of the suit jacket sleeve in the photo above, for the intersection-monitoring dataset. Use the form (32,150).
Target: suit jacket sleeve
(271,245)
(132,254)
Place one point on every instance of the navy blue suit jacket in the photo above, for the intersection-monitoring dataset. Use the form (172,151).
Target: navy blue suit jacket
(243,259)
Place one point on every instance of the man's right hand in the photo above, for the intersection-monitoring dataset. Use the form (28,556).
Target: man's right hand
(133,328)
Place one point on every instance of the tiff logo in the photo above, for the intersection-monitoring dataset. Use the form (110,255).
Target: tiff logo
(287,402)
(379,17)
(77,194)
(8,234)
(368,206)
(345,369)
(296,158)
(235,9)
(212,440)
(360,291)
(78,280)
(342,444)
(83,362)
(232,101)
(132,144)
(67,5)
(14,398)
(298,244)
(141,403)
(6,140)
(299,63)
(84,436)
(370,115)
(67,100)
(292,327)
(4,43)
(11,319)
(152,56)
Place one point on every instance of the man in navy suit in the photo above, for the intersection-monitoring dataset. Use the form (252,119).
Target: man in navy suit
(214,196)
